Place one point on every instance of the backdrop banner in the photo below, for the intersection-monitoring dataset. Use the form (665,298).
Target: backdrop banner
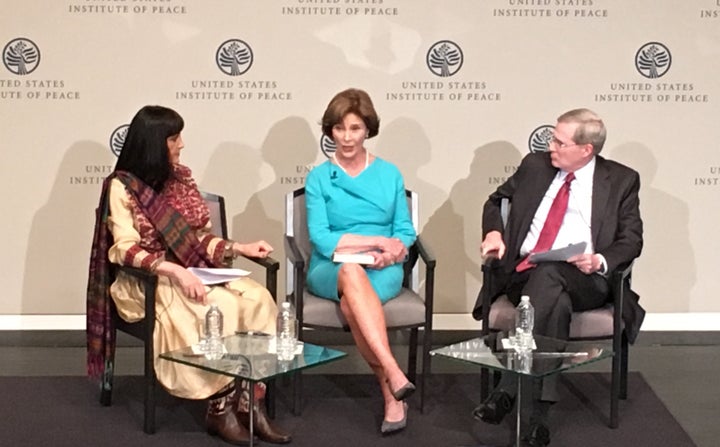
(464,90)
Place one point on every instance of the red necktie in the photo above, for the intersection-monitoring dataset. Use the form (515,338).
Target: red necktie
(552,223)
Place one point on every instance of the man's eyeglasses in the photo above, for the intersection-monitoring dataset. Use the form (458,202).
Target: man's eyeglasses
(560,144)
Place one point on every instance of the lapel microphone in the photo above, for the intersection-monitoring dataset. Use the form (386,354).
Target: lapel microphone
(333,176)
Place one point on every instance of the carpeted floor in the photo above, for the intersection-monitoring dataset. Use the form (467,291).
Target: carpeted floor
(339,410)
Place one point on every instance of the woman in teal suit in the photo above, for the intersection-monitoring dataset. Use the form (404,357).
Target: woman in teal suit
(356,203)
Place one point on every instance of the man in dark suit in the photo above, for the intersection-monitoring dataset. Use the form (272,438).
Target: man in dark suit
(602,211)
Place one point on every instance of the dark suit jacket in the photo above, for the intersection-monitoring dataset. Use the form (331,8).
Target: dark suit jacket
(616,225)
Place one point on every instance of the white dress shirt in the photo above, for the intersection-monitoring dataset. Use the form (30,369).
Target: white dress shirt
(576,223)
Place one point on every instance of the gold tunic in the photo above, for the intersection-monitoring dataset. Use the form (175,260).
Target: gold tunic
(245,304)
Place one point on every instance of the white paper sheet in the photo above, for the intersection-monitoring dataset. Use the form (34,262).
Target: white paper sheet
(210,276)
(559,254)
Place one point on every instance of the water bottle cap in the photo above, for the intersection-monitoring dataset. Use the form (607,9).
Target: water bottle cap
(525,298)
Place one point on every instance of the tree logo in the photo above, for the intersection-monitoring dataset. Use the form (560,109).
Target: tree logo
(653,60)
(327,146)
(444,58)
(117,139)
(234,57)
(21,56)
(539,140)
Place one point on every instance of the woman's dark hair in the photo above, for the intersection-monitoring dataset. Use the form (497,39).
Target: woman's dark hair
(354,101)
(145,151)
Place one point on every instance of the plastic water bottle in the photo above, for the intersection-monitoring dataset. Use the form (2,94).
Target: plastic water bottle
(214,348)
(524,322)
(286,337)
(524,361)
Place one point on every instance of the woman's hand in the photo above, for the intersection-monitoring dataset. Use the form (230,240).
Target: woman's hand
(395,248)
(189,284)
(259,249)
(382,260)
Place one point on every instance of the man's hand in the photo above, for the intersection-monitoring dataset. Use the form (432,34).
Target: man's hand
(587,263)
(492,246)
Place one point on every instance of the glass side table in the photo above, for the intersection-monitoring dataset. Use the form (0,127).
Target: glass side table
(248,358)
(551,357)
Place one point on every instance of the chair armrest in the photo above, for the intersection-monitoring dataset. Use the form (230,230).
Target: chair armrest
(488,266)
(149,281)
(140,274)
(425,253)
(293,253)
(622,272)
(618,278)
(271,266)
(429,260)
(267,262)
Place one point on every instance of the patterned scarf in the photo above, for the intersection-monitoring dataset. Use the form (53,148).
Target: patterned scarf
(177,235)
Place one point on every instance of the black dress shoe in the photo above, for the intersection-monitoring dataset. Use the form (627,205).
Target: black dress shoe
(495,407)
(539,436)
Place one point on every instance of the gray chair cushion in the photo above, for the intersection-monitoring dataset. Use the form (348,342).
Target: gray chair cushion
(502,314)
(596,323)
(408,308)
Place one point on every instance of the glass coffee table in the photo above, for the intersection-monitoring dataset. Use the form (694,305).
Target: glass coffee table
(248,358)
(550,357)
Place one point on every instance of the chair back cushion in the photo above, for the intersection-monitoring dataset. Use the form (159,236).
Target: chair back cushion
(216,205)
(296,222)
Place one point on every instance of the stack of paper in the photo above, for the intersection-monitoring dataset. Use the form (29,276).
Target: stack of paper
(210,276)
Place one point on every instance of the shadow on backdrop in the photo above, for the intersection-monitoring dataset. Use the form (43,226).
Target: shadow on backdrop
(290,149)
(666,238)
(404,143)
(58,251)
(454,231)
(233,171)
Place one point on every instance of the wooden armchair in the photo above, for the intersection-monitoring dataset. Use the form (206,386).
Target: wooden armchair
(144,329)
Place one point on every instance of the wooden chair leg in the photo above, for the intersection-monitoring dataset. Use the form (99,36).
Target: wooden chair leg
(484,384)
(412,355)
(297,393)
(270,399)
(624,367)
(615,381)
(150,381)
(106,385)
(426,368)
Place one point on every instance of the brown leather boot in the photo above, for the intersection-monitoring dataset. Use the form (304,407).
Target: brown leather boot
(222,421)
(262,425)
